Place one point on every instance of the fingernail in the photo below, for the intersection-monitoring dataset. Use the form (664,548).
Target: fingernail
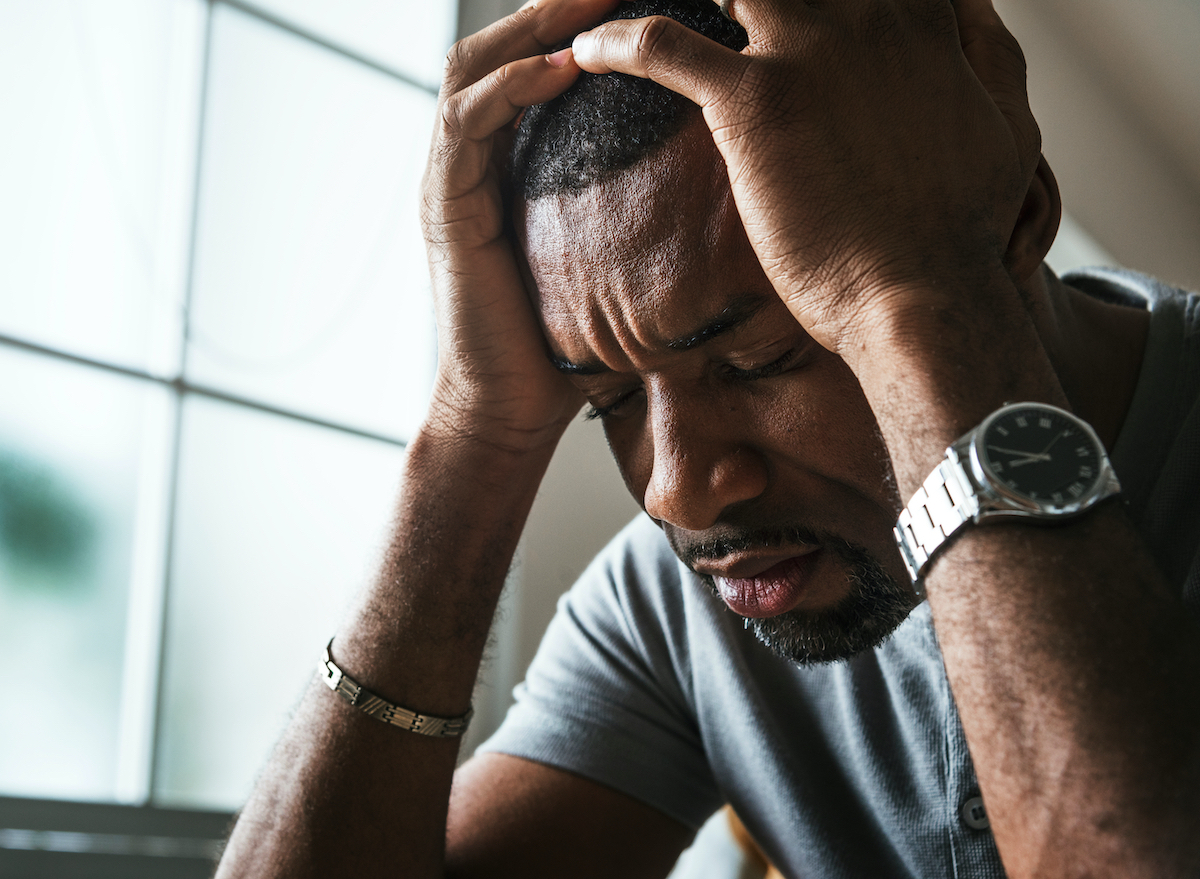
(582,40)
(560,58)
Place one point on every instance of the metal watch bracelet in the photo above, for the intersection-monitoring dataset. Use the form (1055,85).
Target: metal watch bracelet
(380,709)
(977,480)
(940,507)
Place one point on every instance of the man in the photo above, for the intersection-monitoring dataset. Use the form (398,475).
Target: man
(784,312)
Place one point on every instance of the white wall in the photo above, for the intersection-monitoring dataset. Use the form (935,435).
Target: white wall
(1113,85)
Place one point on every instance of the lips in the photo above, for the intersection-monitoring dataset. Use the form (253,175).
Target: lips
(767,587)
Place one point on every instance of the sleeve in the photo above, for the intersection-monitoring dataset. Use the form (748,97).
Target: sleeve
(607,696)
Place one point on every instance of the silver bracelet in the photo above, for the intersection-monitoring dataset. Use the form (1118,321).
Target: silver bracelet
(379,708)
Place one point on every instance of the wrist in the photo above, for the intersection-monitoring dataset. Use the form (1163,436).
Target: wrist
(935,361)
(498,422)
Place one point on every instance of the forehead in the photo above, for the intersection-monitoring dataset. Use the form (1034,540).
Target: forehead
(642,258)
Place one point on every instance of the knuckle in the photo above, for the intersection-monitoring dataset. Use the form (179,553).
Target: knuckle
(655,40)
(452,113)
(472,102)
(431,212)
(500,80)
(457,61)
(1009,43)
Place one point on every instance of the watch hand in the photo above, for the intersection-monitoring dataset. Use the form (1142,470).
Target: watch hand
(1061,434)
(1032,456)
(1032,459)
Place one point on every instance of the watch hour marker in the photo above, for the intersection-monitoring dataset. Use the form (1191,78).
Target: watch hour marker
(1001,431)
(1044,423)
(1075,489)
(1083,451)
(1085,472)
(1022,421)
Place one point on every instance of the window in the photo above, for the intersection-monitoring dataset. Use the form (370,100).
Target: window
(215,339)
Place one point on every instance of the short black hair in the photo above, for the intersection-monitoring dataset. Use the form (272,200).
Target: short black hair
(607,123)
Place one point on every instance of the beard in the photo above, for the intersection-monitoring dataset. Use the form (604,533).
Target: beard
(874,607)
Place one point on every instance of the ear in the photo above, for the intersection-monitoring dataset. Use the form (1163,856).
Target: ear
(1037,224)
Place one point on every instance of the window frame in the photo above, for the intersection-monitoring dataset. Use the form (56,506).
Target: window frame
(28,825)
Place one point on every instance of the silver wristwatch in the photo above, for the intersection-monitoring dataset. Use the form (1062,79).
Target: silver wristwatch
(1025,461)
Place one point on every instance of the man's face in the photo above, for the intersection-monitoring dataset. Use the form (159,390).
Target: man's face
(751,446)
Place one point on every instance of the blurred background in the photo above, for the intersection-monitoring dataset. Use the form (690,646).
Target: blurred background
(216,337)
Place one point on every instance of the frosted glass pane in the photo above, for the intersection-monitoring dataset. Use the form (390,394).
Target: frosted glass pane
(278,523)
(72,443)
(410,36)
(99,104)
(311,287)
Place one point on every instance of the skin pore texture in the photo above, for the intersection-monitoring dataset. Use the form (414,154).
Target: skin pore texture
(727,421)
(751,446)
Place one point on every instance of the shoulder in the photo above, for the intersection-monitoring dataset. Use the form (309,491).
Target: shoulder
(637,600)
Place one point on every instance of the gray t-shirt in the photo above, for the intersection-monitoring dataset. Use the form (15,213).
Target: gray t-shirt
(646,683)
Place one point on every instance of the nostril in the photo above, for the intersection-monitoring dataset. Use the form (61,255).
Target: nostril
(692,491)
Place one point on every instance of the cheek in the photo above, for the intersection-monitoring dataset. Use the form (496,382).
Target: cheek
(839,422)
(818,434)
(815,421)
(634,455)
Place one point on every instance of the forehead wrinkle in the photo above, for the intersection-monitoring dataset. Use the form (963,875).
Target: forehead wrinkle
(637,274)
(579,333)
(614,265)
(615,305)
(739,312)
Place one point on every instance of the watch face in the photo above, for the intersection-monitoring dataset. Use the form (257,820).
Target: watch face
(1041,454)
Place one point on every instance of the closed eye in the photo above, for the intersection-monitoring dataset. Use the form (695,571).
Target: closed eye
(767,370)
(593,412)
(779,365)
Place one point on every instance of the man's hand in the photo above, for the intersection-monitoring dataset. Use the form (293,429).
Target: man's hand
(886,167)
(494,379)
(345,795)
(870,163)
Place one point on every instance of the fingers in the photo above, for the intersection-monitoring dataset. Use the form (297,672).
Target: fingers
(533,30)
(665,51)
(998,62)
(471,116)
(480,110)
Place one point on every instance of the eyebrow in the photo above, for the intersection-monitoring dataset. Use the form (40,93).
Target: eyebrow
(734,315)
(731,317)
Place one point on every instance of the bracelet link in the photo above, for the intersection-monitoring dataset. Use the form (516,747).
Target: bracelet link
(382,710)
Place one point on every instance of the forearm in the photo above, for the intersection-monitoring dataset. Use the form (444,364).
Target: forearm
(1071,662)
(1075,675)
(345,794)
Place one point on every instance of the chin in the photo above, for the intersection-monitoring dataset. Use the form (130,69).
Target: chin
(875,604)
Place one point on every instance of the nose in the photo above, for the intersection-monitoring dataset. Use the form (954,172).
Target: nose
(701,463)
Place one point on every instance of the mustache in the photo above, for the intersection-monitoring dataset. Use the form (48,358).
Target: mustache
(722,545)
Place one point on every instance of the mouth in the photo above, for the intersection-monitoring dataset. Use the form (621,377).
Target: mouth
(757,585)
(813,596)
